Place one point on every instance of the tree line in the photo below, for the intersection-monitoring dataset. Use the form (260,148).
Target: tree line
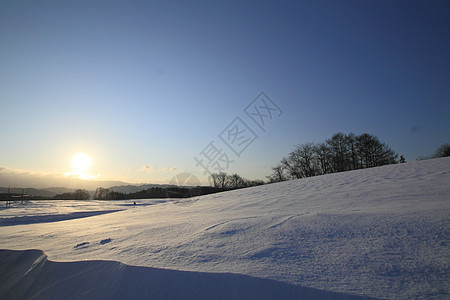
(340,153)
(442,151)
(229,182)
(157,192)
(79,194)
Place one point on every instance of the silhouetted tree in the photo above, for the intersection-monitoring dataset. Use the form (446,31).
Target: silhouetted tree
(235,181)
(442,151)
(291,168)
(278,174)
(218,180)
(323,153)
(82,195)
(373,153)
(77,195)
(102,194)
(304,158)
(352,152)
(223,181)
(255,182)
(339,153)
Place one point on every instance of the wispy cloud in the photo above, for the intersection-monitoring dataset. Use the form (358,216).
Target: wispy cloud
(5,170)
(147,169)
(151,169)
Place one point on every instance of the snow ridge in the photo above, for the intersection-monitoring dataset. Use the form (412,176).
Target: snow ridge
(79,280)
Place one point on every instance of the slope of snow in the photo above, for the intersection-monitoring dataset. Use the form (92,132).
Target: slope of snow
(28,274)
(381,232)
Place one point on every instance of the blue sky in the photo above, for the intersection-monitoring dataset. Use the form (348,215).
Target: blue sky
(144,86)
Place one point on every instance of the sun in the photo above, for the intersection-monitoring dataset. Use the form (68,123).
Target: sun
(81,162)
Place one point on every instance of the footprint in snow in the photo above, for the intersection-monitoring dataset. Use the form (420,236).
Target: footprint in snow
(82,245)
(105,241)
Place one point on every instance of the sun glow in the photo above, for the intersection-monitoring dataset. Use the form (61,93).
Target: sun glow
(81,162)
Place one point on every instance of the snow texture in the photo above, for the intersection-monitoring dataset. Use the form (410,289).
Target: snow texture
(381,232)
(28,274)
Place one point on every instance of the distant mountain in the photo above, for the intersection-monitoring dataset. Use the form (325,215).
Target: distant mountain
(29,191)
(25,179)
(136,188)
(48,185)
(59,190)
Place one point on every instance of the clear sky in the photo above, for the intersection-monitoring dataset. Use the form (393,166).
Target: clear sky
(143,87)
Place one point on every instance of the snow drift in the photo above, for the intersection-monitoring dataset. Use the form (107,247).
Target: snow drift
(29,275)
(381,232)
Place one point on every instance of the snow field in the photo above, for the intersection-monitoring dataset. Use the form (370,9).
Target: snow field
(381,232)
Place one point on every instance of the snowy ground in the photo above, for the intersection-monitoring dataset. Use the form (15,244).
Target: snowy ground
(381,232)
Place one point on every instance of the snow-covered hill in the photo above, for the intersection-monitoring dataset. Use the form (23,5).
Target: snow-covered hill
(381,232)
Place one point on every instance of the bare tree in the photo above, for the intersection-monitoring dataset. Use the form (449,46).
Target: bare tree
(102,194)
(323,154)
(218,180)
(373,153)
(340,153)
(442,151)
(235,181)
(306,159)
(82,195)
(278,174)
